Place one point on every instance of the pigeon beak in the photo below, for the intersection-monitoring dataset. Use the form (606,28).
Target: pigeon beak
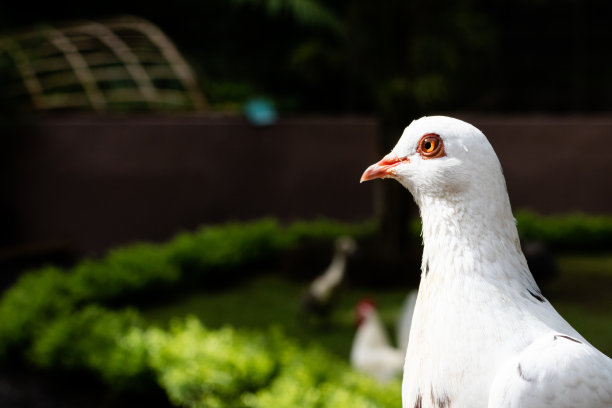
(383,168)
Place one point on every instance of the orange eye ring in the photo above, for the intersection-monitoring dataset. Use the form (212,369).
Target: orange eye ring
(430,146)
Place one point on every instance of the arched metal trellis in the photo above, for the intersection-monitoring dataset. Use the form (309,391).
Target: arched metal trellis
(103,65)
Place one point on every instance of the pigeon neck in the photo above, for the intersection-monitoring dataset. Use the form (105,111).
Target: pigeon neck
(466,230)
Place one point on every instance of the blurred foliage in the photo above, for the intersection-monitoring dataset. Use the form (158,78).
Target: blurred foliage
(306,12)
(227,246)
(59,319)
(122,272)
(50,316)
(36,298)
(232,245)
(581,293)
(569,232)
(394,58)
(198,367)
(130,273)
(235,363)
(94,339)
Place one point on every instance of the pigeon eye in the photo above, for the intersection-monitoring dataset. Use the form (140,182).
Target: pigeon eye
(430,146)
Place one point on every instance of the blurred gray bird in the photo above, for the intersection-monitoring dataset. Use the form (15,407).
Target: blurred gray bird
(323,290)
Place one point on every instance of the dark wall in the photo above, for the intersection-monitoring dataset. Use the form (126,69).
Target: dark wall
(96,182)
(93,182)
(554,164)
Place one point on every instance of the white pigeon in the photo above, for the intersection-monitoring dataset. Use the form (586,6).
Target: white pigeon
(371,351)
(483,335)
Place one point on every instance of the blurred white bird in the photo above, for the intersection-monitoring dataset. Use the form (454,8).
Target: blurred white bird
(372,352)
(404,320)
(482,335)
(322,291)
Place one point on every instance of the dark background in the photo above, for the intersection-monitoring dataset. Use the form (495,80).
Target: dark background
(89,183)
(397,57)
(346,77)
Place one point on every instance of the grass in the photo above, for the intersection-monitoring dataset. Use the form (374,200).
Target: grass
(580,293)
(269,300)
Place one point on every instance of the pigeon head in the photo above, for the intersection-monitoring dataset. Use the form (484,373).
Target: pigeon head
(442,157)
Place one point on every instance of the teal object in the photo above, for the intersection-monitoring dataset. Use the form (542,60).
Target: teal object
(260,112)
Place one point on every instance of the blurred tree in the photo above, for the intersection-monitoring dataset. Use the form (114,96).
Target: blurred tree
(411,58)
(348,55)
(306,12)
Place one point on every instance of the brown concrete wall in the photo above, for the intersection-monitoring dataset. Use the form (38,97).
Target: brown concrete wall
(95,182)
(554,164)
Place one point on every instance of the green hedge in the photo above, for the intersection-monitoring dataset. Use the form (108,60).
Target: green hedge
(104,342)
(59,318)
(576,232)
(234,245)
(124,271)
(55,319)
(198,367)
(135,270)
(568,232)
(256,370)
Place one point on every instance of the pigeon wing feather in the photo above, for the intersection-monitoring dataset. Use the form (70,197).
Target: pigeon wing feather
(556,370)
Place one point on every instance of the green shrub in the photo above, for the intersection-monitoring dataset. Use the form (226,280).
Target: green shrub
(107,343)
(228,368)
(228,246)
(48,314)
(34,299)
(198,367)
(311,377)
(202,368)
(574,232)
(326,230)
(235,245)
(567,232)
(42,295)
(136,269)
(122,271)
